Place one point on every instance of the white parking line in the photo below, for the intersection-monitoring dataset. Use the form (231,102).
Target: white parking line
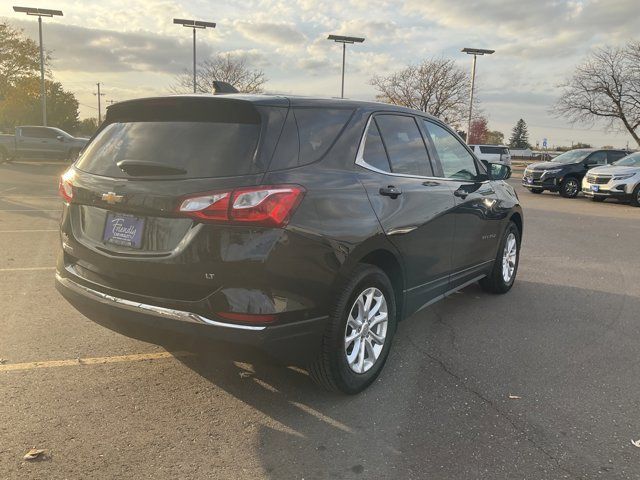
(28,196)
(93,361)
(28,210)
(28,231)
(26,269)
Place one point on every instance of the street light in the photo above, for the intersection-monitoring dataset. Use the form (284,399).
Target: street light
(344,40)
(40,12)
(194,24)
(475,52)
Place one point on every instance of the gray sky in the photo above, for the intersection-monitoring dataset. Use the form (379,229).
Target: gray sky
(134,49)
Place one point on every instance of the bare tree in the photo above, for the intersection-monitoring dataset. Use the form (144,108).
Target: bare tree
(605,87)
(436,86)
(225,68)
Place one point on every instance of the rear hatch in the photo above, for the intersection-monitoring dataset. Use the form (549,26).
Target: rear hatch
(124,225)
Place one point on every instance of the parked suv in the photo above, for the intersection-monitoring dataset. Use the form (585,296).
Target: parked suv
(492,153)
(619,180)
(565,172)
(305,227)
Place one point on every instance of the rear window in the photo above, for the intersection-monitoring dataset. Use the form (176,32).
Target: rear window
(201,138)
(494,150)
(202,149)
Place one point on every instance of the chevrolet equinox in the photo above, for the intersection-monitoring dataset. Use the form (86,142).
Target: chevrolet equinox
(305,228)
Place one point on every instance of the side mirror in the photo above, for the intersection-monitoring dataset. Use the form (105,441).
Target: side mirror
(497,171)
(60,138)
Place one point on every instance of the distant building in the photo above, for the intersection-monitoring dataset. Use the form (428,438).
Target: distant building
(526,153)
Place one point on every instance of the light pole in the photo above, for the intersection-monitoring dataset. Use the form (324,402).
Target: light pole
(193,24)
(40,12)
(344,40)
(99,103)
(475,52)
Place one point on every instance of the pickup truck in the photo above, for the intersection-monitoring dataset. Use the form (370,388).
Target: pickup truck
(40,142)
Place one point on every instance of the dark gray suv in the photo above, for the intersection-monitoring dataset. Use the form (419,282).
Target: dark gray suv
(306,228)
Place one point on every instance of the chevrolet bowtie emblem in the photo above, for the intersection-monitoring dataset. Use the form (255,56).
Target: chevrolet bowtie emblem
(111,198)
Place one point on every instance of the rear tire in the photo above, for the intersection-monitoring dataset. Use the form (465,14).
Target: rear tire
(536,190)
(635,196)
(337,365)
(570,187)
(505,267)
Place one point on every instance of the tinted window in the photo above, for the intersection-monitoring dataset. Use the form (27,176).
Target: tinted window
(615,156)
(318,128)
(38,132)
(494,150)
(597,158)
(203,149)
(456,161)
(404,144)
(374,152)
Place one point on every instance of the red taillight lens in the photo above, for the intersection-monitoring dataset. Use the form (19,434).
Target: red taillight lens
(65,186)
(270,206)
(212,207)
(247,317)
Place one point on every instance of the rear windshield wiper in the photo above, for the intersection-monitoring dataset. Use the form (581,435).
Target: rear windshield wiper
(140,168)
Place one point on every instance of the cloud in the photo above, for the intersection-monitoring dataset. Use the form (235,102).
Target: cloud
(98,50)
(271,33)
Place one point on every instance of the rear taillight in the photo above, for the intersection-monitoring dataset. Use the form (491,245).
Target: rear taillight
(65,185)
(268,206)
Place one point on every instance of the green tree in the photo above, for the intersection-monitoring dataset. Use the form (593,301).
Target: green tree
(87,127)
(19,58)
(519,136)
(494,137)
(21,105)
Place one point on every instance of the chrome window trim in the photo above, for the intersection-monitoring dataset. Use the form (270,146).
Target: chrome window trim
(168,313)
(362,163)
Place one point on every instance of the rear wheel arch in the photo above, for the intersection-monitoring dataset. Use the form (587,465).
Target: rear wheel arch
(390,265)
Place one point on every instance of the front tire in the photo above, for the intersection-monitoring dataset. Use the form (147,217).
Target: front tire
(505,267)
(570,187)
(635,196)
(356,343)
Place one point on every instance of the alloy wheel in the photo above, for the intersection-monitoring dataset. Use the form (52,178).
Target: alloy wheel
(571,188)
(366,330)
(509,257)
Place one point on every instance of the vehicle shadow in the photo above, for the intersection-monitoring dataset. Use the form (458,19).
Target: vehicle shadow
(442,406)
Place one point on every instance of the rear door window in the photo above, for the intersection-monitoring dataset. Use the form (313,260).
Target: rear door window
(404,145)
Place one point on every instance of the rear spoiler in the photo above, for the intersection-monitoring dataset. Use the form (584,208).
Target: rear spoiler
(220,88)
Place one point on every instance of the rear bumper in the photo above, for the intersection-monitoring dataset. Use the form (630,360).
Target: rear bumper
(291,343)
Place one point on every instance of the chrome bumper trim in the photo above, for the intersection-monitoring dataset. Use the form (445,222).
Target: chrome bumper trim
(169,313)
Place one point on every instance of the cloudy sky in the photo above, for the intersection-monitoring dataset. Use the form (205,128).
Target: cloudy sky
(134,50)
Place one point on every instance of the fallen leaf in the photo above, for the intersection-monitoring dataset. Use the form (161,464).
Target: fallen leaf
(3,361)
(636,443)
(514,397)
(33,454)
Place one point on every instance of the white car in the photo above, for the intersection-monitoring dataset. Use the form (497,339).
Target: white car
(621,180)
(492,153)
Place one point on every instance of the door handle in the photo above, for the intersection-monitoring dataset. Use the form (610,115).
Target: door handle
(461,193)
(390,191)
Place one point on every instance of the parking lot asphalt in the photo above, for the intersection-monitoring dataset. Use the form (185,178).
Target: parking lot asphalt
(541,383)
